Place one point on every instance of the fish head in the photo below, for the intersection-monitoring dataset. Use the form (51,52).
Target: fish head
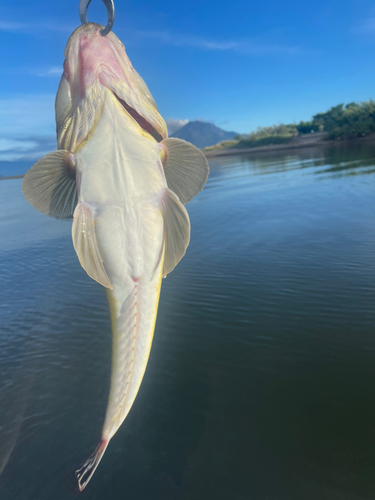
(92,64)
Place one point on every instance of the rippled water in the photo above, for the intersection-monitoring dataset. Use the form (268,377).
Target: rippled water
(261,380)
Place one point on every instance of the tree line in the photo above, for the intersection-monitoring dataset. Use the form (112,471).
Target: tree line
(356,119)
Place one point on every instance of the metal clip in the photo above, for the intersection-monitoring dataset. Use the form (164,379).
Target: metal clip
(109,5)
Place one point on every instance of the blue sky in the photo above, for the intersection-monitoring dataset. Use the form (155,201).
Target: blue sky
(240,65)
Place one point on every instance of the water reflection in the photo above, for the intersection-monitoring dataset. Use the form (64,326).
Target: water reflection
(261,380)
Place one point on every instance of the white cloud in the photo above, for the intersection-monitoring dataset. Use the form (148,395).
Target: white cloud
(54,71)
(245,46)
(27,115)
(9,144)
(27,127)
(175,124)
(26,148)
(35,28)
(14,156)
(365,28)
(12,26)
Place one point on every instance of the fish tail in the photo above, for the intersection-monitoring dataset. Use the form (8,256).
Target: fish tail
(84,474)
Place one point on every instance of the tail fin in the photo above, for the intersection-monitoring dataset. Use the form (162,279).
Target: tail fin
(84,474)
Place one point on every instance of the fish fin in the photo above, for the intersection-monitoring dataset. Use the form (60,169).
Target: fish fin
(85,473)
(185,166)
(50,185)
(86,245)
(63,102)
(176,230)
(76,122)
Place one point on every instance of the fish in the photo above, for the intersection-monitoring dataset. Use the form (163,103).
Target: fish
(124,184)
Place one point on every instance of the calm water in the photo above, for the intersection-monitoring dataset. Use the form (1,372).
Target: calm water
(261,380)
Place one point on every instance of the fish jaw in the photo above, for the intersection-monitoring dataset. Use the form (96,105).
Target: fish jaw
(94,62)
(87,54)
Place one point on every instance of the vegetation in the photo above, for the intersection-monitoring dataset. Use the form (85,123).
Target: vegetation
(263,136)
(347,122)
(340,122)
(263,141)
(222,145)
(356,119)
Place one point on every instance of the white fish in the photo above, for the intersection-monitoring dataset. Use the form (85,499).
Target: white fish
(125,185)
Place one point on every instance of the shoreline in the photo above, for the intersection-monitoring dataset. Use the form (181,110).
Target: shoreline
(312,140)
(297,143)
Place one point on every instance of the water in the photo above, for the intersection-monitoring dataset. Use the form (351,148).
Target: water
(261,380)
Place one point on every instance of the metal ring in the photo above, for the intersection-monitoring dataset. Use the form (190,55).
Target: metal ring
(110,7)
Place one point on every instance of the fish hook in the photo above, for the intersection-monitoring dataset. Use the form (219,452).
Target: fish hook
(109,5)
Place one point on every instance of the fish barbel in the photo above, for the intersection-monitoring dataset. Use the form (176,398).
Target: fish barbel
(124,183)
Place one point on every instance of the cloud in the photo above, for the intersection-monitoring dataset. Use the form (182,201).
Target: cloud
(26,148)
(51,72)
(26,113)
(175,124)
(27,126)
(245,46)
(10,144)
(365,28)
(13,27)
(31,28)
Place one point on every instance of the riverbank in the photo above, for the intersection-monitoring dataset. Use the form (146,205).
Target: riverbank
(298,142)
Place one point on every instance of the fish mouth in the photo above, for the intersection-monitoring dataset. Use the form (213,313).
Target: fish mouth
(142,122)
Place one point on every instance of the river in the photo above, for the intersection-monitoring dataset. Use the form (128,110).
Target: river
(261,379)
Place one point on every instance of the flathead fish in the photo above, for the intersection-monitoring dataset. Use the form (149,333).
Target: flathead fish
(124,183)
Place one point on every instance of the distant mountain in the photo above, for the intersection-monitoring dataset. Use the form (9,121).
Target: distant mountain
(203,134)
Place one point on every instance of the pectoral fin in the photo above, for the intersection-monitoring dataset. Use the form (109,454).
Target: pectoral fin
(185,166)
(86,245)
(176,230)
(50,185)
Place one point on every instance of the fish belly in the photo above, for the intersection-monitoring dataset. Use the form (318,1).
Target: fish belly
(131,242)
(133,257)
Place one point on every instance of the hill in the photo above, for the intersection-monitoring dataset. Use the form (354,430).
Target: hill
(203,134)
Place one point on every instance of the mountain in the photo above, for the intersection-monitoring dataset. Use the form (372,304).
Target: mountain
(203,134)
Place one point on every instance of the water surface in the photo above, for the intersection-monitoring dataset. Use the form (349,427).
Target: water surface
(261,380)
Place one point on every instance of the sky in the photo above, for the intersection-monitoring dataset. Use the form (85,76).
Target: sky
(238,65)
